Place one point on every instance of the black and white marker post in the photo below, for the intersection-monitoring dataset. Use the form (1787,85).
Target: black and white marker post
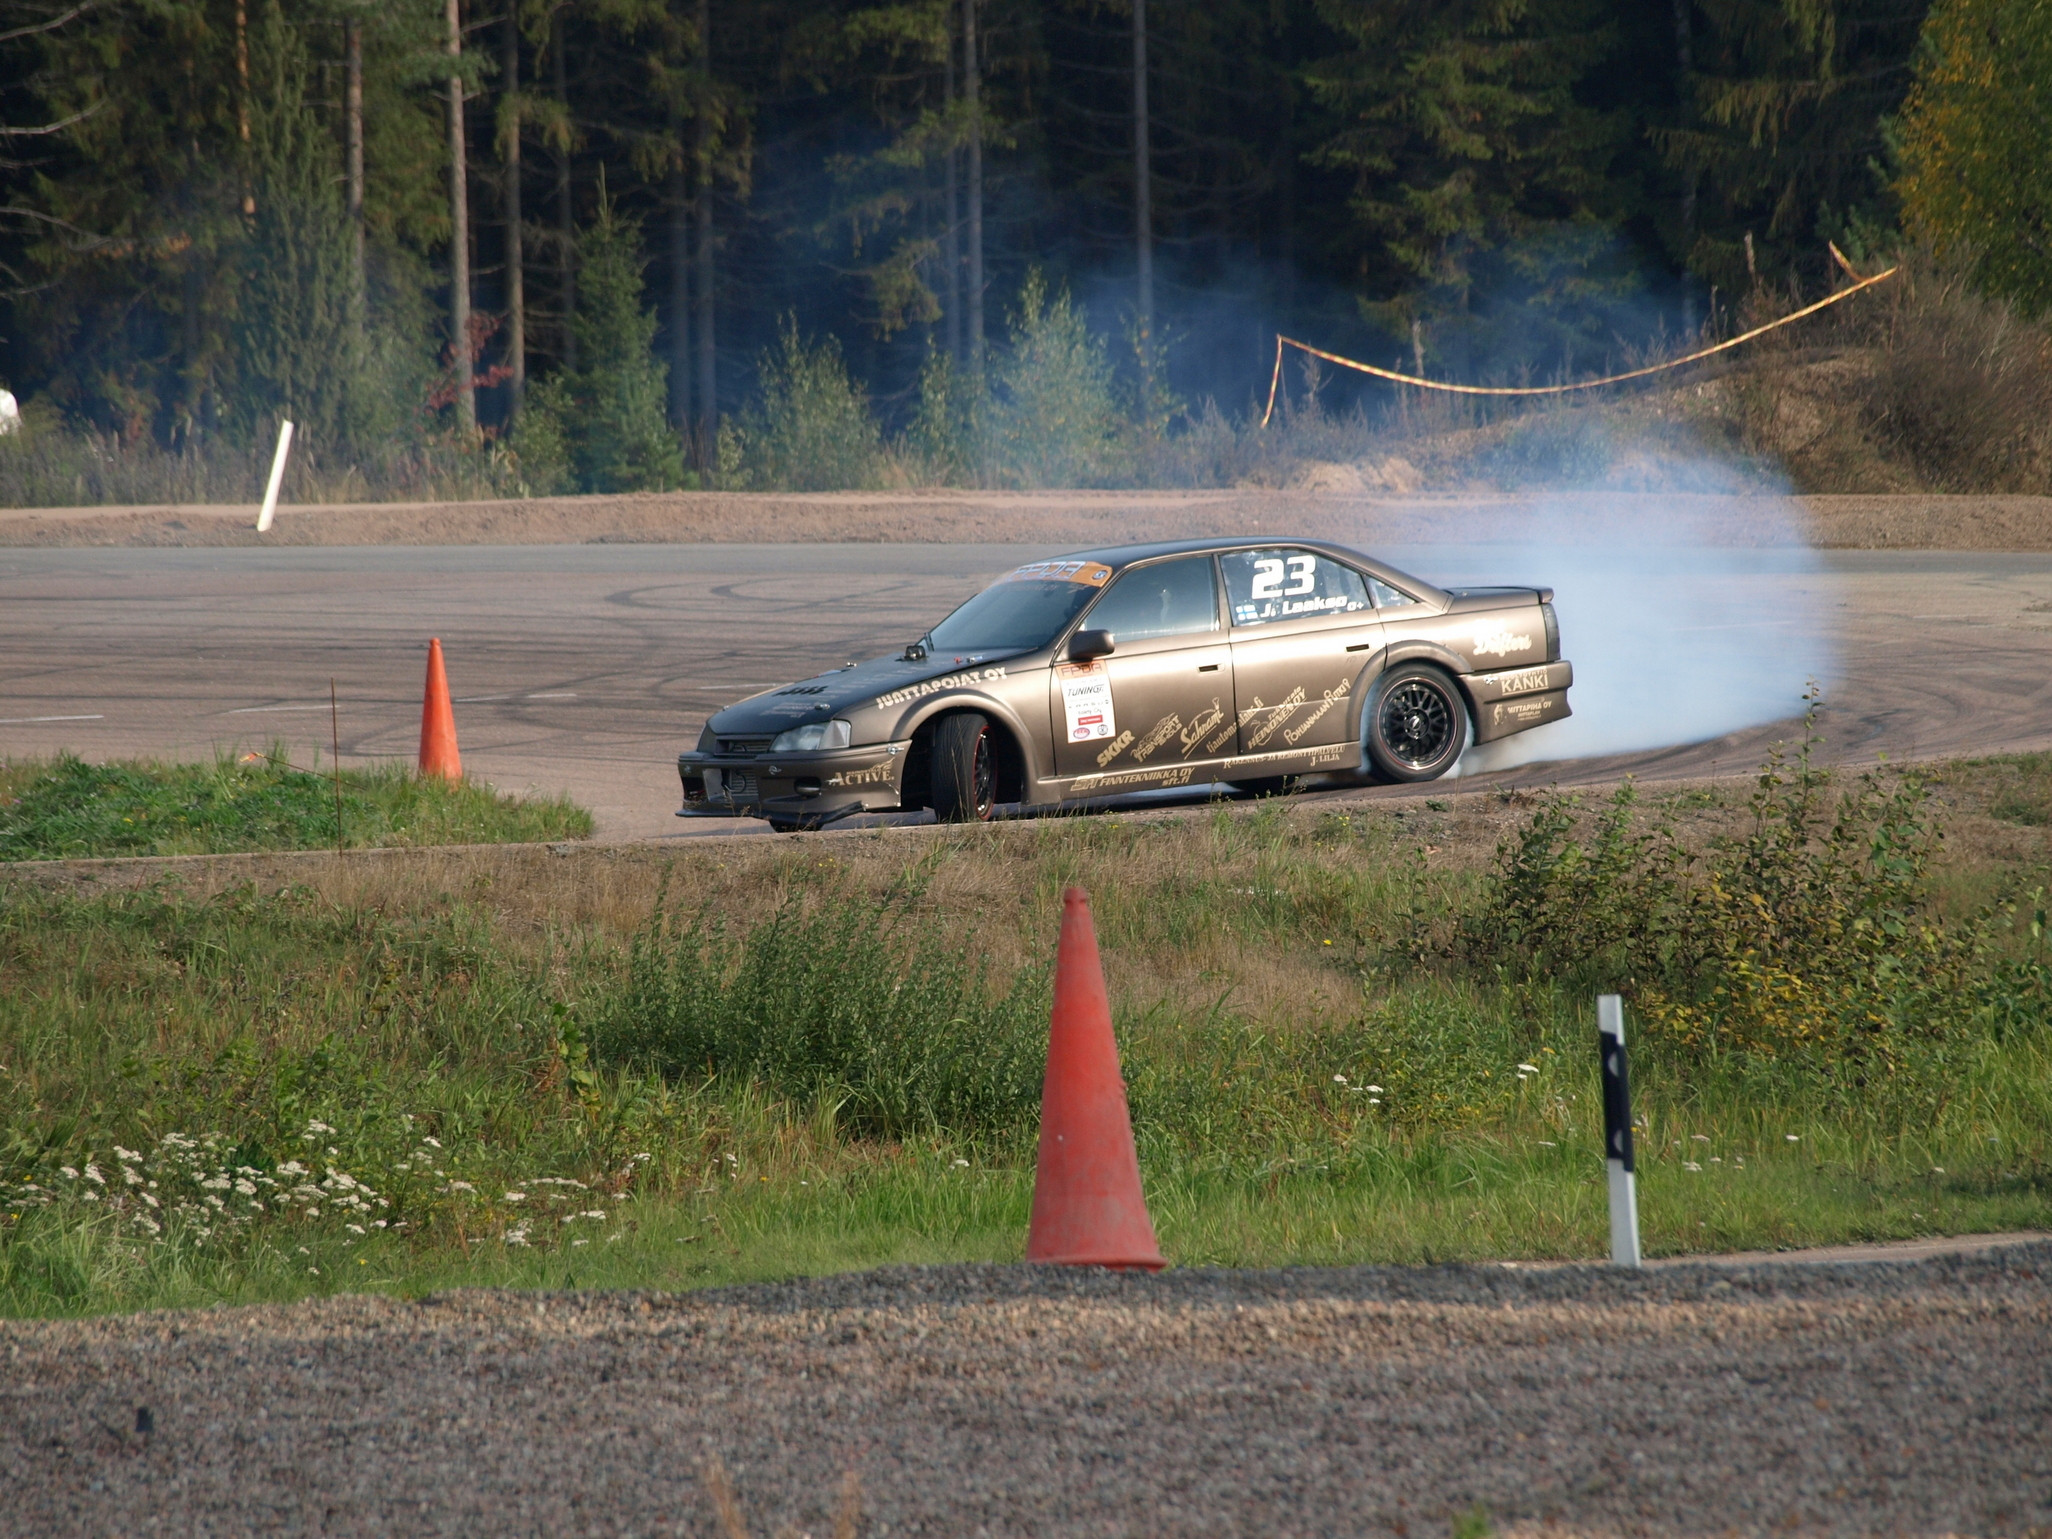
(1617,1131)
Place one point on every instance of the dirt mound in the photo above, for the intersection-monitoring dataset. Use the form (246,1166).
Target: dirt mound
(1852,522)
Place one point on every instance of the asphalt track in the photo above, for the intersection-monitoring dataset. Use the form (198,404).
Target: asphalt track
(583,669)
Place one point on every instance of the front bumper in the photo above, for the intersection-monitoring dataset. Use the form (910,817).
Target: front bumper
(799,787)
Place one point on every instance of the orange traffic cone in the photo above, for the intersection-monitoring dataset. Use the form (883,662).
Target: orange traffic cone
(1087,1206)
(438,754)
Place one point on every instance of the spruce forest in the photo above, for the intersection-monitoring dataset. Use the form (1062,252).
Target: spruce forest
(522,247)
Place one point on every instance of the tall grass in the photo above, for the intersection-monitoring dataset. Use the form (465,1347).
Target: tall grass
(829,1056)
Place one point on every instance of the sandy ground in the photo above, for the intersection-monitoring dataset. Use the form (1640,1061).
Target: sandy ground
(1054,518)
(1696,1400)
(585,669)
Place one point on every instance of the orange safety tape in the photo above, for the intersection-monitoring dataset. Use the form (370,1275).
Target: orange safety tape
(1281,341)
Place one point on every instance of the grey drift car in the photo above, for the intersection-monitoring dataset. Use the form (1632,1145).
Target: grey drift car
(1251,663)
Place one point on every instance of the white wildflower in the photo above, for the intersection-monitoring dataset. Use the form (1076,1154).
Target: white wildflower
(1792,1137)
(317,1127)
(126,1156)
(1690,1165)
(1373,1089)
(516,1197)
(1339,1079)
(67,1172)
(432,1143)
(354,1228)
(129,1176)
(1528,1068)
(246,1187)
(461,1186)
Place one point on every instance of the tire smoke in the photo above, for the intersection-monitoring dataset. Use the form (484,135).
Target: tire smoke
(1687,614)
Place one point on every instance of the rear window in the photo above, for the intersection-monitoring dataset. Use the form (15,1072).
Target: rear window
(1264,586)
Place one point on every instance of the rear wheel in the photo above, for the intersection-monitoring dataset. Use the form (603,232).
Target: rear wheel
(964,769)
(1418,724)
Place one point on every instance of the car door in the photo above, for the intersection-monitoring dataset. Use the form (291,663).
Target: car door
(1164,698)
(1302,628)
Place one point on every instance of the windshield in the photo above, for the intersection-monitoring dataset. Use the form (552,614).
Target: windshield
(1013,616)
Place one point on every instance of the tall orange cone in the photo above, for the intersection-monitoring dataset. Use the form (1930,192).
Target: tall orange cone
(1087,1206)
(438,754)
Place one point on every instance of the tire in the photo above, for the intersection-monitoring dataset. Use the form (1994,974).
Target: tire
(1417,724)
(964,787)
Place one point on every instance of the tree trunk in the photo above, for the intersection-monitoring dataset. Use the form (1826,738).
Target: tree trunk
(566,217)
(1143,181)
(459,242)
(516,252)
(680,283)
(972,72)
(1684,59)
(352,118)
(951,244)
(242,100)
(708,382)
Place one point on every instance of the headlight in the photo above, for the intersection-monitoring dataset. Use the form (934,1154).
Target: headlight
(811,738)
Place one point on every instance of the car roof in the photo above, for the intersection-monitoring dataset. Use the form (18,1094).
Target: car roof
(1118,557)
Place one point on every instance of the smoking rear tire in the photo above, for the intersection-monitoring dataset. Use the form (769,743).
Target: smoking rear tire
(1417,724)
(964,769)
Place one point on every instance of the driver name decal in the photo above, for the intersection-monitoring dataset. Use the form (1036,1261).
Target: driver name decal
(936,686)
(1086,702)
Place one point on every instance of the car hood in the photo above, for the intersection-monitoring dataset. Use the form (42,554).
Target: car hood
(882,684)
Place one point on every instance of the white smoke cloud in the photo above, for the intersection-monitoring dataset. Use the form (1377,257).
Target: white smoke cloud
(1687,614)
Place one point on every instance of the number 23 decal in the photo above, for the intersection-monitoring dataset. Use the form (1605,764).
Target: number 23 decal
(1268,576)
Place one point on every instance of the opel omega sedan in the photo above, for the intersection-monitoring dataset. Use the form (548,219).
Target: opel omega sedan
(1253,663)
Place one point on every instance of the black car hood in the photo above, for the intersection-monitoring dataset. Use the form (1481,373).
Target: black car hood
(867,684)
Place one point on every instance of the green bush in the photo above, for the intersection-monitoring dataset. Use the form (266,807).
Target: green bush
(1812,936)
(812,430)
(1053,418)
(839,1005)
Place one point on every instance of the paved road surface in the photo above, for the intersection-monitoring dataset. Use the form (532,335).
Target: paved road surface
(585,668)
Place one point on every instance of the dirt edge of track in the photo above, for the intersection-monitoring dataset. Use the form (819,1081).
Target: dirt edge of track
(1849,522)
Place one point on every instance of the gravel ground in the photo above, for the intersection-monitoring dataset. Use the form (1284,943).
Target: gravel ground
(1867,1398)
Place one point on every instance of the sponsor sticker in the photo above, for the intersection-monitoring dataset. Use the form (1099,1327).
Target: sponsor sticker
(1498,641)
(936,686)
(1526,681)
(1093,574)
(1086,702)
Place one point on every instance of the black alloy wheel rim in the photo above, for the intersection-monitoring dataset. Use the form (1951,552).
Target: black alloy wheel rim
(982,776)
(1416,724)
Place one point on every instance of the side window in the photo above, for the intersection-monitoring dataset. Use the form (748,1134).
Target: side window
(1169,598)
(1387,597)
(1268,585)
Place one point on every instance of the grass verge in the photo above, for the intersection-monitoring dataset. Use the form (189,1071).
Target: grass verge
(645,1069)
(53,809)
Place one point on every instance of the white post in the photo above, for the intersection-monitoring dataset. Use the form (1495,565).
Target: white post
(1617,1132)
(270,509)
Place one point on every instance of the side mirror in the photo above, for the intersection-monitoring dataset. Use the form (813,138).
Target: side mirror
(1087,645)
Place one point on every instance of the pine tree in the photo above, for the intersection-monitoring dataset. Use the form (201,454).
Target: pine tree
(1789,100)
(618,429)
(1975,139)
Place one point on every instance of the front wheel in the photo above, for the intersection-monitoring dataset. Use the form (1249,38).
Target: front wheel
(1417,725)
(964,769)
